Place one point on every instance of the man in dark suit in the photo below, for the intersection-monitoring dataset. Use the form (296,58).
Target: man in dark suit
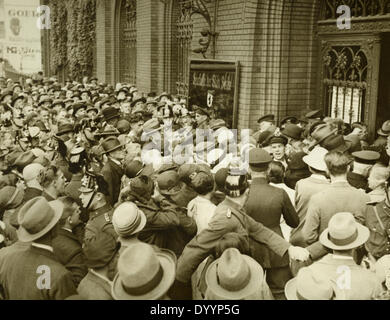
(112,171)
(33,272)
(67,244)
(266,204)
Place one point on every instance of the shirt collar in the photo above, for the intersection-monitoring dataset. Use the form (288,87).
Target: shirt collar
(42,246)
(115,161)
(99,275)
(230,203)
(339,257)
(67,229)
(319,176)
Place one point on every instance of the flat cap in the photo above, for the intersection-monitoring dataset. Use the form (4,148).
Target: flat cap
(267,117)
(278,139)
(366,156)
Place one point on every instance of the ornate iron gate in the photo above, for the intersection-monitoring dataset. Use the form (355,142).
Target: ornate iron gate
(184,37)
(128,41)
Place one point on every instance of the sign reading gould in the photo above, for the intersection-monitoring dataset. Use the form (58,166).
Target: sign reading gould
(213,85)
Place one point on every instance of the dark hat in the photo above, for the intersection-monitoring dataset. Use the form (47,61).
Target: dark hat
(296,161)
(314,126)
(264,138)
(141,99)
(292,131)
(101,251)
(111,144)
(366,156)
(79,105)
(259,159)
(169,183)
(10,197)
(64,128)
(267,117)
(278,139)
(58,101)
(187,169)
(91,107)
(385,129)
(136,168)
(165,94)
(336,143)
(314,114)
(142,185)
(289,119)
(110,100)
(110,113)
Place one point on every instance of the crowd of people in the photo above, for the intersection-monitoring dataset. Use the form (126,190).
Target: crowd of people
(107,193)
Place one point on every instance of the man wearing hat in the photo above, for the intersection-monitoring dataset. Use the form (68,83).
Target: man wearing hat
(236,276)
(265,123)
(111,115)
(93,199)
(278,145)
(229,216)
(383,133)
(305,188)
(144,274)
(343,236)
(44,278)
(112,169)
(202,117)
(267,204)
(362,163)
(340,196)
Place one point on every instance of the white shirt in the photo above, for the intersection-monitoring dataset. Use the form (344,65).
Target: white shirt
(201,210)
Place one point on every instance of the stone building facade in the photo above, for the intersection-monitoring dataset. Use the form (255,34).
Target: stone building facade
(291,53)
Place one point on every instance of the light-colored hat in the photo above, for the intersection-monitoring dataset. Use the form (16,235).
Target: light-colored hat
(344,233)
(143,273)
(308,286)
(31,171)
(127,219)
(37,217)
(315,158)
(234,276)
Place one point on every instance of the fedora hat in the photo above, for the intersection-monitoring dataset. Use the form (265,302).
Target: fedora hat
(234,276)
(37,217)
(321,132)
(385,129)
(344,233)
(141,99)
(315,158)
(308,286)
(10,197)
(110,113)
(135,168)
(111,144)
(108,130)
(143,273)
(64,128)
(336,143)
(292,131)
(128,219)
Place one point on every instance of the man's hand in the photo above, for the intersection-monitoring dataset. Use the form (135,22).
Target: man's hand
(298,253)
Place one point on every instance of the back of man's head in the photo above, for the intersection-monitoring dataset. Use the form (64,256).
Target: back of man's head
(337,163)
(31,171)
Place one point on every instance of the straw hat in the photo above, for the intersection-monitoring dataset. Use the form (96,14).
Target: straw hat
(143,274)
(128,219)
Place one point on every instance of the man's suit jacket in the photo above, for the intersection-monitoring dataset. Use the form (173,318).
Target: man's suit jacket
(67,248)
(72,189)
(304,190)
(112,174)
(266,204)
(338,197)
(95,287)
(30,193)
(228,217)
(21,269)
(363,284)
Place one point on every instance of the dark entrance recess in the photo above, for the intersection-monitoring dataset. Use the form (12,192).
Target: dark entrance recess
(214,85)
(383,112)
